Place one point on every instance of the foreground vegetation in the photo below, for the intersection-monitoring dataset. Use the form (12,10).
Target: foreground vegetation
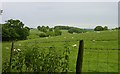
(100,53)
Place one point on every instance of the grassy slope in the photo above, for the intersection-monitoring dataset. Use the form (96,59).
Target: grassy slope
(93,61)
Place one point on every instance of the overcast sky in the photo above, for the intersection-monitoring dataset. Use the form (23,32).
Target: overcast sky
(78,14)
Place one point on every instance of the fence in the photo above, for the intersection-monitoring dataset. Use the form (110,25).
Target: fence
(90,59)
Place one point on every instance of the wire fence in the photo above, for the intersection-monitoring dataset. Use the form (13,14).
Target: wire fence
(101,60)
(94,59)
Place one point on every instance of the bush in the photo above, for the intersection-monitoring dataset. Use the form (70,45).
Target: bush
(57,32)
(50,33)
(43,35)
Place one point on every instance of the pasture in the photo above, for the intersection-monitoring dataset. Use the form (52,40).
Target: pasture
(100,48)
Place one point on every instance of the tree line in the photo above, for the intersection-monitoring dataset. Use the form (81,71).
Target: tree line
(63,27)
(14,30)
(46,31)
(71,29)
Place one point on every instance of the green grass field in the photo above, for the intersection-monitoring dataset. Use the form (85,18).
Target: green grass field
(100,53)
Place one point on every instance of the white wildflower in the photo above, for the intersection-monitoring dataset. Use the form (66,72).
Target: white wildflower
(15,50)
(74,45)
(18,49)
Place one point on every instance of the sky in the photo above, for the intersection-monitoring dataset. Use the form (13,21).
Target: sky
(77,14)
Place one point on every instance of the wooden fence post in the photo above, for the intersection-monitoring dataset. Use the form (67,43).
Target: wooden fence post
(80,58)
(11,55)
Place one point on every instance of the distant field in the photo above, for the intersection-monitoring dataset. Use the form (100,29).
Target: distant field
(100,53)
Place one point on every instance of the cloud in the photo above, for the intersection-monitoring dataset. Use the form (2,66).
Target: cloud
(52,13)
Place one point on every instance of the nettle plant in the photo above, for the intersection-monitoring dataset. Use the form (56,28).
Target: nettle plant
(66,58)
(39,60)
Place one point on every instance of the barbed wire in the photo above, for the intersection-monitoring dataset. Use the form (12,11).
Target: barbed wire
(57,41)
(89,49)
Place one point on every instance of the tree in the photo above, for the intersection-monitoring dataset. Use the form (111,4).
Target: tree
(63,27)
(98,28)
(48,31)
(47,27)
(38,27)
(105,28)
(43,28)
(14,29)
(27,28)
(76,30)
(51,29)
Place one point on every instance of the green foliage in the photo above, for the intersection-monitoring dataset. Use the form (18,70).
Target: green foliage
(38,27)
(5,67)
(100,28)
(66,54)
(76,30)
(57,32)
(27,28)
(48,31)
(105,28)
(43,35)
(33,60)
(14,29)
(43,28)
(63,27)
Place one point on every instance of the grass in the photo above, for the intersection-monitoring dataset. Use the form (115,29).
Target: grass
(100,53)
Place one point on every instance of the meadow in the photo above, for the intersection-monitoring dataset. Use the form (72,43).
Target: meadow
(100,48)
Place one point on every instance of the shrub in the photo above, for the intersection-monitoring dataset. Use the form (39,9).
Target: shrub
(76,30)
(50,33)
(57,32)
(43,35)
(39,60)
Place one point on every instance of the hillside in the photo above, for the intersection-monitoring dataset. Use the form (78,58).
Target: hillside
(96,47)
